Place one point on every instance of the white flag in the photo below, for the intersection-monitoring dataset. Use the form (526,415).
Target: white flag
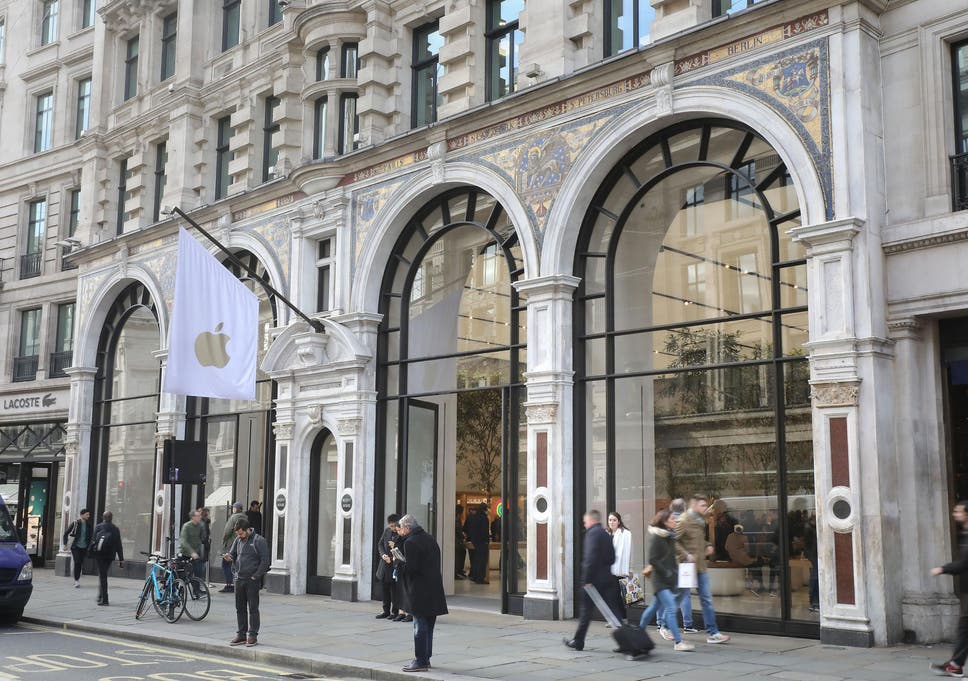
(214,328)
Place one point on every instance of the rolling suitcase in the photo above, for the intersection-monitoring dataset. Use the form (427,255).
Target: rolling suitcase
(630,639)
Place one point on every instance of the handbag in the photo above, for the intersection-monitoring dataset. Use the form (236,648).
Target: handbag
(687,575)
(631,590)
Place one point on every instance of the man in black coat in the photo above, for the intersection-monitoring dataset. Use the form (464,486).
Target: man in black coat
(110,547)
(598,554)
(80,532)
(478,531)
(425,589)
(384,571)
(955,666)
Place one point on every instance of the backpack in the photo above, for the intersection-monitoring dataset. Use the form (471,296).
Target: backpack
(102,542)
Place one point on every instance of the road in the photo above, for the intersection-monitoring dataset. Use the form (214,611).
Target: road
(34,653)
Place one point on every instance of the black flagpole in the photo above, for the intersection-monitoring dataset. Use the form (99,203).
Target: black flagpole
(314,323)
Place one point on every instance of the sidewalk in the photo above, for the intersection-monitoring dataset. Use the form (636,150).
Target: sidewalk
(333,638)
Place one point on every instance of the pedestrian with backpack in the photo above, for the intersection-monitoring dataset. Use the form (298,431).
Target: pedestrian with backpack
(79,532)
(249,557)
(105,546)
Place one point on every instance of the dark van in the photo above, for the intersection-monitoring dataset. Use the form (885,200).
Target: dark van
(16,571)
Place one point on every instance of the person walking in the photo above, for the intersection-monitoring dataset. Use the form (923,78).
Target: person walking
(598,555)
(478,533)
(249,556)
(384,571)
(665,577)
(80,531)
(228,536)
(424,585)
(955,666)
(190,538)
(692,547)
(460,551)
(622,543)
(205,532)
(254,516)
(106,545)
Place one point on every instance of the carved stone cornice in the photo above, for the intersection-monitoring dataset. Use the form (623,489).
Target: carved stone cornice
(283,430)
(838,394)
(833,236)
(906,328)
(926,242)
(350,426)
(542,413)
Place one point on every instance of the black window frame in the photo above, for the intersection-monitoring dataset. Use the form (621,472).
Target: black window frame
(74,211)
(160,179)
(320,114)
(269,127)
(636,28)
(322,64)
(82,111)
(353,142)
(493,35)
(231,8)
(223,156)
(169,46)
(43,122)
(275,12)
(418,66)
(88,12)
(722,8)
(32,222)
(122,193)
(348,60)
(324,273)
(959,160)
(132,53)
(49,22)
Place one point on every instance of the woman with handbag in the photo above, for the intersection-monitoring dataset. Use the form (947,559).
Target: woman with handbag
(621,568)
(664,571)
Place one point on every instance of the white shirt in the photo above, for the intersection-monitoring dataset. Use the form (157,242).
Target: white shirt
(622,541)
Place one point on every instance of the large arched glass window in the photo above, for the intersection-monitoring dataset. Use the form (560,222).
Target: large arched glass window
(691,331)
(451,364)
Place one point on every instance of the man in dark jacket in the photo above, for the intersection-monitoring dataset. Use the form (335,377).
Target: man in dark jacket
(384,571)
(80,531)
(955,666)
(228,536)
(478,531)
(110,547)
(249,556)
(598,554)
(425,589)
(254,516)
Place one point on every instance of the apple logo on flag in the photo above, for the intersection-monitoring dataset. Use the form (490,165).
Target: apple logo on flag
(210,348)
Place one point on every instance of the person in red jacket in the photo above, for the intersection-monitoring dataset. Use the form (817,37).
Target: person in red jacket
(955,666)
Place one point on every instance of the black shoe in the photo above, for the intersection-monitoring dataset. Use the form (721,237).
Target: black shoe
(383,616)
(415,667)
(227,590)
(459,576)
(571,644)
(408,618)
(637,658)
(397,618)
(102,602)
(618,650)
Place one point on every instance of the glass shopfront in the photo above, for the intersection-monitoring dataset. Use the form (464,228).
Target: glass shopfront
(691,325)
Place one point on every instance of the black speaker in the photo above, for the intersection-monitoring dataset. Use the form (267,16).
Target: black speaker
(183,462)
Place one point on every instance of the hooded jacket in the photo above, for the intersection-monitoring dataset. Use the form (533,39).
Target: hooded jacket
(691,534)
(250,557)
(662,558)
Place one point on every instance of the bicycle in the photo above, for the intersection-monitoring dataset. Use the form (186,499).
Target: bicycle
(197,598)
(164,588)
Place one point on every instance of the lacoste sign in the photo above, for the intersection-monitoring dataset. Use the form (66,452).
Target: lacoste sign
(22,404)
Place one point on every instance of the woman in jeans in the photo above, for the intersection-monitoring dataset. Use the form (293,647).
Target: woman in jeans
(665,576)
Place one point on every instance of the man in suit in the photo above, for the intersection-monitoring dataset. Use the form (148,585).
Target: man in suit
(598,554)
(110,547)
(478,531)
(384,571)
(424,585)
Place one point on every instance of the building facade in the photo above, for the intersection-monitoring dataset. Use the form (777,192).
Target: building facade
(567,255)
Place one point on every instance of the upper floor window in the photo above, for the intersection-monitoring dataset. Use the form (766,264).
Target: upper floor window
(75,212)
(275,12)
(320,113)
(223,155)
(724,7)
(161,179)
(349,124)
(48,22)
(3,35)
(349,60)
(83,114)
(627,24)
(959,162)
(231,23)
(131,68)
(270,155)
(427,42)
(60,359)
(87,13)
(169,32)
(123,176)
(25,364)
(324,271)
(34,243)
(322,64)
(503,45)
(43,126)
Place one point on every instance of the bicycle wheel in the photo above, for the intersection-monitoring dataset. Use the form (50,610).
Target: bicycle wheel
(171,604)
(142,608)
(197,599)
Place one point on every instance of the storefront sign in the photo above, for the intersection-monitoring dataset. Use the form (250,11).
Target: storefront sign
(280,502)
(22,404)
(346,503)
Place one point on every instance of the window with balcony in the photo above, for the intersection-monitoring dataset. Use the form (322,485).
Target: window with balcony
(44,122)
(160,179)
(222,157)
(275,12)
(231,23)
(63,353)
(349,60)
(169,34)
(349,124)
(322,64)
(427,42)
(324,272)
(48,22)
(959,162)
(83,115)
(25,363)
(320,113)
(503,46)
(88,12)
(36,231)
(270,155)
(123,176)
(131,68)
(627,24)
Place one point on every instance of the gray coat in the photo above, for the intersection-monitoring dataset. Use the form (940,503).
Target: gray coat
(250,557)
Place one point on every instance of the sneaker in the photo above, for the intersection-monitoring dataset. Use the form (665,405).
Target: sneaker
(690,630)
(947,669)
(665,633)
(238,640)
(251,641)
(717,638)
(77,584)
(683,647)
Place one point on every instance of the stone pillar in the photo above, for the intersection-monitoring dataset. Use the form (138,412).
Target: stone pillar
(462,84)
(929,605)
(182,169)
(675,16)
(346,581)
(378,75)
(77,458)
(279,578)
(547,52)
(550,510)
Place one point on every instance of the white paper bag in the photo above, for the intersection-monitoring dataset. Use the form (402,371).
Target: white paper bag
(687,575)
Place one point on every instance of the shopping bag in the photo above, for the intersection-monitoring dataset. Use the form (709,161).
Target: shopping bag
(631,590)
(687,575)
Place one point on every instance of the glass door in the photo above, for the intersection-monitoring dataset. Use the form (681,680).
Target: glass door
(322,515)
(34,490)
(421,466)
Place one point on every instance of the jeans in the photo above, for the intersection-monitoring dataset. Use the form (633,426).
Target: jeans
(961,645)
(706,599)
(79,555)
(227,572)
(103,566)
(665,603)
(423,639)
(247,606)
(685,606)
(201,569)
(390,605)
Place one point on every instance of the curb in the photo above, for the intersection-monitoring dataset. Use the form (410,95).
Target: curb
(309,663)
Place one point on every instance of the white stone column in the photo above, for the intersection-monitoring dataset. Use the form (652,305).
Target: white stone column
(550,507)
(170,426)
(285,517)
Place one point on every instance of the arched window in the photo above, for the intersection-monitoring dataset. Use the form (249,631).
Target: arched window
(691,331)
